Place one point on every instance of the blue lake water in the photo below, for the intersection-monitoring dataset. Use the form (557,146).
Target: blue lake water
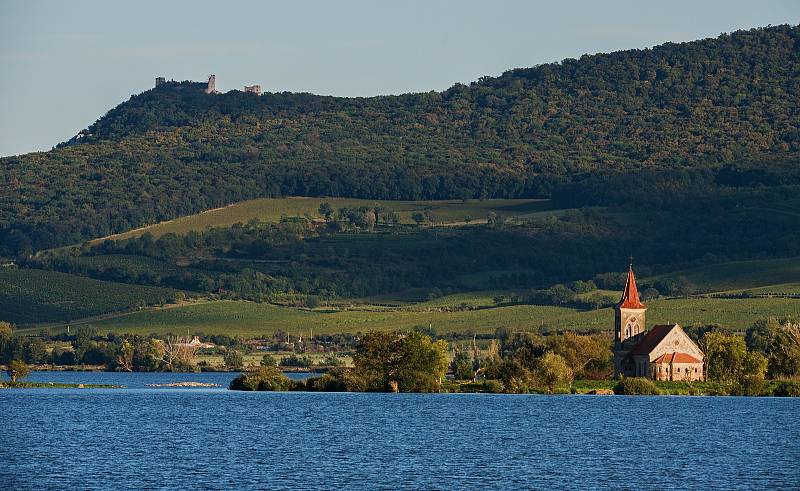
(140,437)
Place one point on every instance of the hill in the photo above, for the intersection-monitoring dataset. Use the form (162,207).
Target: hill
(35,296)
(687,118)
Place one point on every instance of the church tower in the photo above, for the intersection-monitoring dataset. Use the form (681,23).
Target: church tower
(629,322)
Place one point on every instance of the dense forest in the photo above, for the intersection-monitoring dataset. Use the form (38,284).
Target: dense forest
(675,121)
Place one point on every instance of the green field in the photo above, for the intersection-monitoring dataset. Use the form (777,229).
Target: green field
(36,296)
(252,319)
(272,209)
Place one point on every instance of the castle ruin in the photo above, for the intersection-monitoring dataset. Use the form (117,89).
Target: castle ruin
(212,84)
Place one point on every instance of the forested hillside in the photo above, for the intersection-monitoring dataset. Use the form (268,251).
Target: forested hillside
(689,118)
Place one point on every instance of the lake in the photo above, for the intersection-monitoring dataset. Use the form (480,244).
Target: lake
(143,437)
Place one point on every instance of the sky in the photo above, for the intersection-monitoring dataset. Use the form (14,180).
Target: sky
(65,63)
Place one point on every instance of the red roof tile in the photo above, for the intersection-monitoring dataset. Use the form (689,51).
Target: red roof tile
(651,339)
(676,358)
(630,297)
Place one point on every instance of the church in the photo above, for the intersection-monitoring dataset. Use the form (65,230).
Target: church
(665,352)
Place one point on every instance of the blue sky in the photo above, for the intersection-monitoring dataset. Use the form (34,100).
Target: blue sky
(66,63)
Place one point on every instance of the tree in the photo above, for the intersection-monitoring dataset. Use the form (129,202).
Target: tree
(370,219)
(326,210)
(125,354)
(233,359)
(17,369)
(83,342)
(177,355)
(729,361)
(409,363)
(552,370)
(462,366)
(418,217)
(491,219)
(650,294)
(6,328)
(268,361)
(587,356)
(779,342)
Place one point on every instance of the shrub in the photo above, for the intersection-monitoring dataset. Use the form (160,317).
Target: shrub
(636,387)
(749,385)
(787,388)
(582,286)
(493,386)
(332,361)
(296,361)
(233,359)
(265,379)
(326,383)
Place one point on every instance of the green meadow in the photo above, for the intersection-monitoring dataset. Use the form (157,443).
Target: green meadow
(253,319)
(272,209)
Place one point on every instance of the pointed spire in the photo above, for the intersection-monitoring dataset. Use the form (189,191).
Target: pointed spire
(630,297)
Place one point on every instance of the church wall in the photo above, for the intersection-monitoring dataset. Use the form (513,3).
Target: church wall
(688,372)
(676,341)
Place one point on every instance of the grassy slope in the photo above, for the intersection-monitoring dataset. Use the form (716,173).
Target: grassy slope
(248,319)
(271,210)
(32,295)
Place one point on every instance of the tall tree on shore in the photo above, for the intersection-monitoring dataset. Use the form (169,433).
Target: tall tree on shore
(17,369)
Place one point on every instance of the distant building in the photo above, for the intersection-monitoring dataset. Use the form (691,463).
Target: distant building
(665,352)
(212,84)
(160,80)
(196,343)
(253,89)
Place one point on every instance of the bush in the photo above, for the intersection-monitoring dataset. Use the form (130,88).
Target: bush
(582,286)
(493,386)
(749,385)
(337,380)
(296,361)
(264,379)
(332,361)
(636,387)
(268,361)
(326,383)
(233,359)
(787,388)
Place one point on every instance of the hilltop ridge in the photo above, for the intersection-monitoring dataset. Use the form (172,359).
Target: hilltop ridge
(715,112)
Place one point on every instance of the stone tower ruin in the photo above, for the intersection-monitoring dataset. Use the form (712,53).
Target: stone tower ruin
(212,84)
